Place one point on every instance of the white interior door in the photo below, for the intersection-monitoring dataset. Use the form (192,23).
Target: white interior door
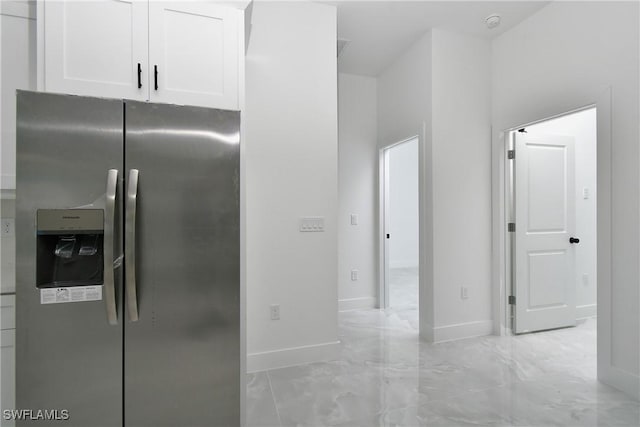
(545,223)
(194,52)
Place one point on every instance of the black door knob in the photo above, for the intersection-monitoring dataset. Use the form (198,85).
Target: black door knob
(573,240)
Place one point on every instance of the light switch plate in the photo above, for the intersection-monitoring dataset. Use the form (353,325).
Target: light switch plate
(354,219)
(312,224)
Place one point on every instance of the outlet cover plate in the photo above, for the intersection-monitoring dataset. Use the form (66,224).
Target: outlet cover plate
(275,311)
(7,227)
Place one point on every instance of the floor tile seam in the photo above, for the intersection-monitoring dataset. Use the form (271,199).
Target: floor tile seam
(273,397)
(464,394)
(399,406)
(359,367)
(358,373)
(381,328)
(418,406)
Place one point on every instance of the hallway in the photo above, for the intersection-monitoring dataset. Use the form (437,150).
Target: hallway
(386,376)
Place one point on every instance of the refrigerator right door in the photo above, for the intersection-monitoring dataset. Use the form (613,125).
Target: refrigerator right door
(182,266)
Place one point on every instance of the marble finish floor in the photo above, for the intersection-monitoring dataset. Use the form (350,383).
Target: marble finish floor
(403,288)
(386,376)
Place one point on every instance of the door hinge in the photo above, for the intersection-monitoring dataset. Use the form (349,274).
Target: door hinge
(511,154)
(511,227)
(512,300)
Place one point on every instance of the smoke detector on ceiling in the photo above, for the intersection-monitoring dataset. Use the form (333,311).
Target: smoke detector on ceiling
(493,21)
(341,45)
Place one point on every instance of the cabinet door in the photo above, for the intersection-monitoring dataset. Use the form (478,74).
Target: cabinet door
(193,53)
(7,356)
(94,48)
(18,63)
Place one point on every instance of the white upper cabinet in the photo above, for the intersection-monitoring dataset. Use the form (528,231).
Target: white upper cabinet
(17,71)
(193,53)
(96,48)
(182,52)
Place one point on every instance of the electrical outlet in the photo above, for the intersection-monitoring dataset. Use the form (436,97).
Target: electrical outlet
(275,312)
(585,279)
(464,292)
(354,275)
(7,227)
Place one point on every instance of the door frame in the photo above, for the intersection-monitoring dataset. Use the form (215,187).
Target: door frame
(383,208)
(502,214)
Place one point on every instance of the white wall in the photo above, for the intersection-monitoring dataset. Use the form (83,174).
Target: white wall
(561,58)
(8,250)
(291,172)
(582,126)
(462,184)
(357,177)
(404,94)
(442,85)
(404,111)
(403,205)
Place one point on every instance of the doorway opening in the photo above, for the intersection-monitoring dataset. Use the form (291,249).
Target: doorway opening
(552,224)
(400,229)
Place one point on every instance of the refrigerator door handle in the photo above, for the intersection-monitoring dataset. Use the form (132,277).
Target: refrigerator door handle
(109,237)
(130,245)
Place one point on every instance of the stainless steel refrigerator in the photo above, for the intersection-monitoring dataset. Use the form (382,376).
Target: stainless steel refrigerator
(128,295)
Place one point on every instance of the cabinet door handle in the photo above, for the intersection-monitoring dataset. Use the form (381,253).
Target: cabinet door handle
(139,76)
(155,76)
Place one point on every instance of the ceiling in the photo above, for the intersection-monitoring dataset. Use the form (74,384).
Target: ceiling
(379,31)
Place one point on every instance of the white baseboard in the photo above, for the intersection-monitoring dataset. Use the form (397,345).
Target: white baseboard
(459,331)
(7,181)
(426,332)
(586,311)
(357,303)
(622,380)
(292,356)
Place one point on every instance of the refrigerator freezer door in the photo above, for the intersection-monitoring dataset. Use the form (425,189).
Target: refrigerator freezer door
(182,357)
(68,356)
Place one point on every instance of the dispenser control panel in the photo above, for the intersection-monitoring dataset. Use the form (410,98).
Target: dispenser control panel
(55,221)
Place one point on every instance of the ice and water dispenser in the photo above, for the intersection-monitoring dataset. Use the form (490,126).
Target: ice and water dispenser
(69,247)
